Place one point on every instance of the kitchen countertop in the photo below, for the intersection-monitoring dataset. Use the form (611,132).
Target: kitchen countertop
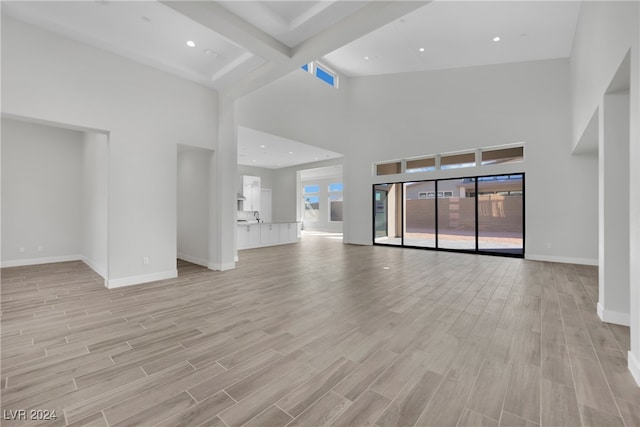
(264,222)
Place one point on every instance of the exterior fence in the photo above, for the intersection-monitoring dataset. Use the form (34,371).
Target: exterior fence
(500,214)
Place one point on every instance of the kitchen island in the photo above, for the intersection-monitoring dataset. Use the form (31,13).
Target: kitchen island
(257,235)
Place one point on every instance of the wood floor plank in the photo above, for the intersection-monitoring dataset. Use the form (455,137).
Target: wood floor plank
(447,405)
(280,367)
(591,386)
(472,418)
(409,404)
(559,405)
(617,373)
(488,393)
(273,416)
(154,396)
(305,395)
(523,392)
(362,377)
(199,413)
(508,419)
(629,411)
(323,412)
(120,394)
(234,375)
(157,412)
(266,396)
(446,342)
(594,418)
(364,411)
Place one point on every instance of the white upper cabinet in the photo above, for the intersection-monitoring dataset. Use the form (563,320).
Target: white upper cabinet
(251,192)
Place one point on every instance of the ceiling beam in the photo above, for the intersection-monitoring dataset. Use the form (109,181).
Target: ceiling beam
(374,15)
(232,27)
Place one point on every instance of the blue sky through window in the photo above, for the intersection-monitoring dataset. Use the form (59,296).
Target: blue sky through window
(311,189)
(324,76)
(336,187)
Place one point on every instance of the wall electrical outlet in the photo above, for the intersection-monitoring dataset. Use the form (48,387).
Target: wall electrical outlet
(145,260)
(40,248)
(548,245)
(21,249)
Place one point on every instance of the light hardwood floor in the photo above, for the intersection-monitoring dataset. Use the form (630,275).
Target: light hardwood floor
(317,333)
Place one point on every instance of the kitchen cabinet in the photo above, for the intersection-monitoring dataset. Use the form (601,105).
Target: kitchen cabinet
(248,236)
(267,234)
(251,193)
(270,234)
(289,232)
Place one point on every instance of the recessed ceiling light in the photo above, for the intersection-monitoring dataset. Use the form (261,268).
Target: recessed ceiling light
(496,39)
(421,49)
(191,43)
(253,161)
(290,152)
(366,58)
(262,146)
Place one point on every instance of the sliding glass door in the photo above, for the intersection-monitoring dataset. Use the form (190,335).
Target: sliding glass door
(472,214)
(457,214)
(420,214)
(501,214)
(388,214)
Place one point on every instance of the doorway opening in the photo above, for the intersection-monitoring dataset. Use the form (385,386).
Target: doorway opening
(193,197)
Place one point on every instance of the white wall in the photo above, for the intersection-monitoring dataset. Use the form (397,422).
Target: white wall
(146,112)
(395,116)
(300,107)
(605,34)
(414,114)
(41,193)
(193,205)
(95,201)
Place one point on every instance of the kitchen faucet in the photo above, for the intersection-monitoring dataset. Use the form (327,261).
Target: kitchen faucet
(256,215)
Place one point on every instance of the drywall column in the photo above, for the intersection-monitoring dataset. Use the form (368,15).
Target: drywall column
(95,202)
(222,232)
(613,209)
(634,211)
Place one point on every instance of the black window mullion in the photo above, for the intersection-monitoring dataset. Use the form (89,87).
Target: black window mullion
(402,202)
(436,204)
(476,205)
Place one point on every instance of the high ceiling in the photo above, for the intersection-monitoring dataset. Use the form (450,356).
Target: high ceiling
(452,34)
(243,45)
(264,150)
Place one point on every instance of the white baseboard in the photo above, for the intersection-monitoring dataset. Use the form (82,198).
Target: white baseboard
(222,267)
(144,278)
(634,367)
(36,261)
(193,259)
(614,317)
(94,266)
(562,260)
